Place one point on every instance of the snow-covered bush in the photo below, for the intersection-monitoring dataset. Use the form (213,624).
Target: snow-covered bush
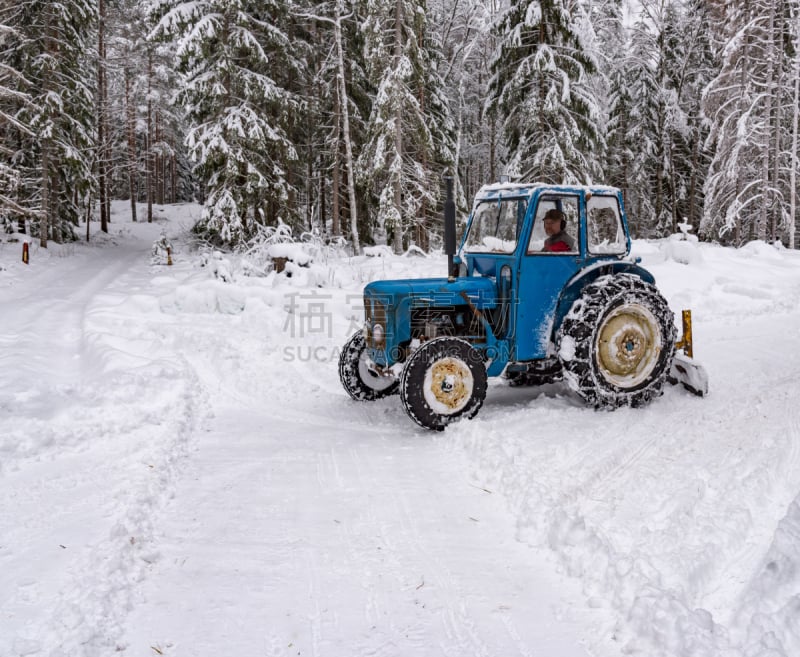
(162,250)
(275,250)
(682,247)
(219,266)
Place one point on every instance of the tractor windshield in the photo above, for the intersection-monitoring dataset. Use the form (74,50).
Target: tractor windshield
(496,225)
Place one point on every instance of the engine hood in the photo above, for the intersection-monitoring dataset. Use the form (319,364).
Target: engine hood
(482,292)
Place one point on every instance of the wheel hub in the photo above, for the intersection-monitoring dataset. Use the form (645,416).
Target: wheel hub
(450,384)
(628,345)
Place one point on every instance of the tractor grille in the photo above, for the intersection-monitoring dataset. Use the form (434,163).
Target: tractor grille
(375,313)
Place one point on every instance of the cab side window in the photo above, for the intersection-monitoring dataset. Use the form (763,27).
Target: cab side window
(604,226)
(568,207)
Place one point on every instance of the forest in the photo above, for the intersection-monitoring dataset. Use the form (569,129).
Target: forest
(341,118)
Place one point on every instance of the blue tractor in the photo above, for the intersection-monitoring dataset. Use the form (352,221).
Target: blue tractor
(517,304)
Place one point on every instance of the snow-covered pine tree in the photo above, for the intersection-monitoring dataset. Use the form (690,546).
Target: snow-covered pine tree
(144,156)
(655,128)
(12,99)
(128,23)
(614,71)
(410,132)
(644,103)
(692,65)
(793,156)
(467,44)
(783,216)
(540,91)
(337,93)
(744,104)
(237,60)
(51,43)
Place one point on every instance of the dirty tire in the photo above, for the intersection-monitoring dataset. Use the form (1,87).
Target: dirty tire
(357,379)
(617,342)
(444,380)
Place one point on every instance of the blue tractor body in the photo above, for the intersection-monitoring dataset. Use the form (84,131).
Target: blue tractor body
(541,289)
(521,294)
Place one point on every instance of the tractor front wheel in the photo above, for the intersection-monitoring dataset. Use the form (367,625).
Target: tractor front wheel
(444,380)
(617,342)
(361,381)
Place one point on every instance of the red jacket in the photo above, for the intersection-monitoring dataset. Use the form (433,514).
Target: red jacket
(559,242)
(560,245)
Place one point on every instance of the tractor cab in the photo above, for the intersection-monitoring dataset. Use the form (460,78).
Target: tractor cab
(506,241)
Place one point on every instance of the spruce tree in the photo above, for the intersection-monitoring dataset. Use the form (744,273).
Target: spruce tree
(236,60)
(745,193)
(51,43)
(410,132)
(13,98)
(541,94)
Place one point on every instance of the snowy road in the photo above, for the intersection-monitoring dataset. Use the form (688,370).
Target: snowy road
(182,474)
(341,542)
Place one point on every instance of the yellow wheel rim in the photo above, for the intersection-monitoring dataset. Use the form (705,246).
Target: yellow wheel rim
(448,385)
(628,345)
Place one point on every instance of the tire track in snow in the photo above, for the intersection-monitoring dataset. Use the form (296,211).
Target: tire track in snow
(126,467)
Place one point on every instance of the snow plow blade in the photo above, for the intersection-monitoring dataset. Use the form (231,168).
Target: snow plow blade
(684,369)
(690,374)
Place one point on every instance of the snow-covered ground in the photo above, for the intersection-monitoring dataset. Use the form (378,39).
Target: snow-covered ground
(182,474)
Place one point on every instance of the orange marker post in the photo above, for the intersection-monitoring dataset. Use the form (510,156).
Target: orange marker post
(25,253)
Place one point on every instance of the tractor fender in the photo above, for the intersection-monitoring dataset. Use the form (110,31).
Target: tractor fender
(574,286)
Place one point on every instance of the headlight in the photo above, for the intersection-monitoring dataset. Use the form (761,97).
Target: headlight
(377,334)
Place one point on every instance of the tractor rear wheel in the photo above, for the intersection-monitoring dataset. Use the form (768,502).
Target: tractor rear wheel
(360,381)
(444,380)
(617,342)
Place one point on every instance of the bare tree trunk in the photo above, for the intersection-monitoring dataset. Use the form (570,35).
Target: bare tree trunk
(130,128)
(492,150)
(173,172)
(102,123)
(47,192)
(310,184)
(770,92)
(673,187)
(149,143)
(693,185)
(777,132)
(740,229)
(159,162)
(794,155)
(44,219)
(422,219)
(351,182)
(337,163)
(398,132)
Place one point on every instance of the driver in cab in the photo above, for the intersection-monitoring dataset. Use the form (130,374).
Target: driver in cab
(557,239)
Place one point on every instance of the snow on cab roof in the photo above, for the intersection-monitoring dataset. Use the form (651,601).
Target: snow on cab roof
(495,189)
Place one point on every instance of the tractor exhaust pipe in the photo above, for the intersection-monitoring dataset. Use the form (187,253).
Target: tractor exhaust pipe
(450,229)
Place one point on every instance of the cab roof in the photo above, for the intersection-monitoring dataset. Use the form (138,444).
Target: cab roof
(497,190)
